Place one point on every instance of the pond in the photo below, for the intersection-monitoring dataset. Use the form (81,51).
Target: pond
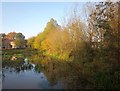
(25,75)
(20,71)
(30,69)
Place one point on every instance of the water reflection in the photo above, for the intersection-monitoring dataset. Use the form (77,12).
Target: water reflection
(26,72)
(14,57)
(39,72)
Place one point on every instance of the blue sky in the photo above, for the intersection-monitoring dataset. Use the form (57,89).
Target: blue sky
(30,18)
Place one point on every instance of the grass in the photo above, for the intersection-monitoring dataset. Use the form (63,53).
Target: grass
(20,53)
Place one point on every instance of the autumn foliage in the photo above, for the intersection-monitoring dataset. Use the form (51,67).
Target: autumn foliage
(92,46)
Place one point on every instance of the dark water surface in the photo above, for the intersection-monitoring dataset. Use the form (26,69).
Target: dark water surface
(31,69)
(25,75)
(35,71)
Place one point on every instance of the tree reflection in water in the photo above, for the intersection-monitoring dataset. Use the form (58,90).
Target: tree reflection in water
(25,66)
(56,71)
(17,65)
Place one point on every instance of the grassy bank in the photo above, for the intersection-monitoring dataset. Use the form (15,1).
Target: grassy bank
(20,53)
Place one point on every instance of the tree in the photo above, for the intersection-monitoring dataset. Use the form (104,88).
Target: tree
(51,26)
(19,36)
(30,42)
(2,35)
(106,17)
(20,43)
(19,40)
(38,39)
(10,35)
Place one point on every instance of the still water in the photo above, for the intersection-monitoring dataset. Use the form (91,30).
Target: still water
(25,75)
(34,71)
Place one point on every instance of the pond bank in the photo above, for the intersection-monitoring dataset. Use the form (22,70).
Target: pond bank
(72,74)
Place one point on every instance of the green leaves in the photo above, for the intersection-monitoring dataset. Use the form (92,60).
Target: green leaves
(30,42)
(19,40)
(19,36)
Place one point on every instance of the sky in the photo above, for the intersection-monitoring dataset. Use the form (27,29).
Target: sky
(30,18)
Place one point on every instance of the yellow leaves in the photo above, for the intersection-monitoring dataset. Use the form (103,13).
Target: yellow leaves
(45,44)
(30,42)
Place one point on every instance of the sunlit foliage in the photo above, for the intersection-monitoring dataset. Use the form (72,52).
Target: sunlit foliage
(92,47)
